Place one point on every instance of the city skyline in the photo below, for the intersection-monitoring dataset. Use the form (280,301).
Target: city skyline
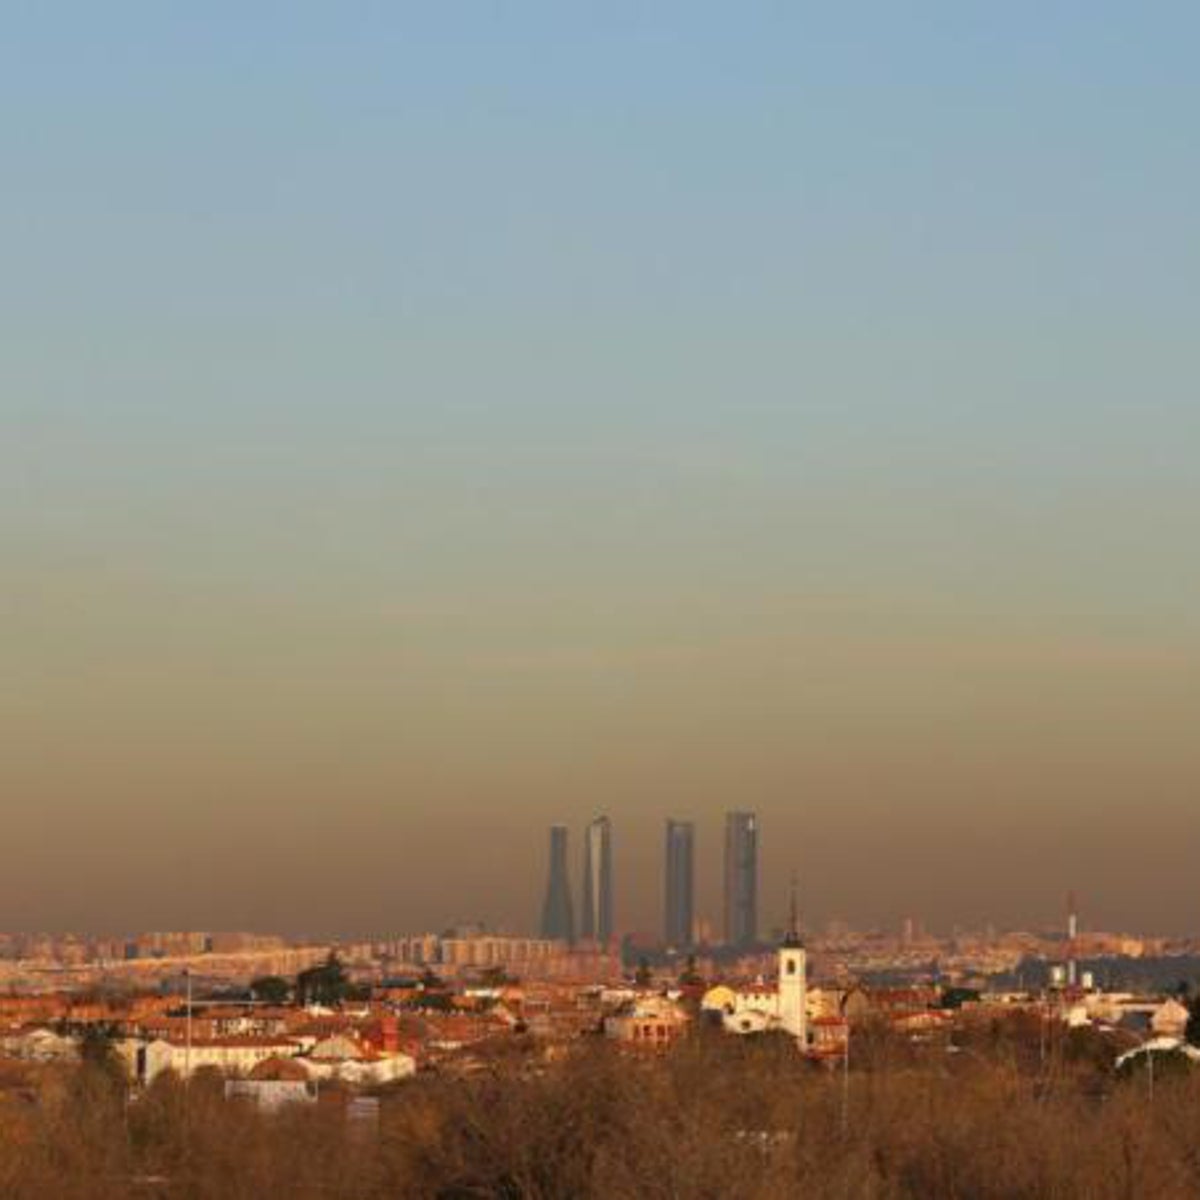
(1064,936)
(708,896)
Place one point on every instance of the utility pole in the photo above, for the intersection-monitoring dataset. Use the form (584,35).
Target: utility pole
(187,1051)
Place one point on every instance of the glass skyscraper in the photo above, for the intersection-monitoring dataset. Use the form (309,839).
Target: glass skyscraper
(680,856)
(597,910)
(558,918)
(741,878)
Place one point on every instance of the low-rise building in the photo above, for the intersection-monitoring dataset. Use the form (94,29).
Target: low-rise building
(231,1056)
(652,1022)
(39,1044)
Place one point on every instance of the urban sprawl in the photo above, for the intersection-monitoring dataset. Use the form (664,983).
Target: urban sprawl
(283,1020)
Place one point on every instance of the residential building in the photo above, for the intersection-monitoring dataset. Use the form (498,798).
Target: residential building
(647,1023)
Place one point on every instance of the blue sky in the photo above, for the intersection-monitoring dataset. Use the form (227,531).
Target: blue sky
(469,388)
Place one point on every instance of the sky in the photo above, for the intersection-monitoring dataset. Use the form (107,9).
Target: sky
(420,424)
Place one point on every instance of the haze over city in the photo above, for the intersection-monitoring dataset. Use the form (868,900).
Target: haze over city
(416,432)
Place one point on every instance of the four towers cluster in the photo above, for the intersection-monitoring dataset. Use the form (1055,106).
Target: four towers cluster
(679,919)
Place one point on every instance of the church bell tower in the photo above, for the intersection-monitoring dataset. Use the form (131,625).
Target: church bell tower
(793,985)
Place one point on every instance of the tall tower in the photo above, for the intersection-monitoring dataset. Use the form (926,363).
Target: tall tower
(741,878)
(558,919)
(680,857)
(596,919)
(793,980)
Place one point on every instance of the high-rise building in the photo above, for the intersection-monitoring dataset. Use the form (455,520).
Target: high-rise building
(558,917)
(597,909)
(680,856)
(741,878)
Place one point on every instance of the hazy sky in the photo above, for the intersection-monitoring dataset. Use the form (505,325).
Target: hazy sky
(421,423)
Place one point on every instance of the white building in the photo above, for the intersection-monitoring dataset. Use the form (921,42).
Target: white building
(793,983)
(40,1045)
(1159,1045)
(231,1056)
(1169,1019)
(343,1056)
(761,1007)
(649,1021)
(270,1095)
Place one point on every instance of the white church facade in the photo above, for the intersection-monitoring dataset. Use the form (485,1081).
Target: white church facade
(760,1007)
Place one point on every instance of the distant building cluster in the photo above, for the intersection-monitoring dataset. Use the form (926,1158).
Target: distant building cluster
(70,949)
(464,949)
(281,1022)
(374,1013)
(680,929)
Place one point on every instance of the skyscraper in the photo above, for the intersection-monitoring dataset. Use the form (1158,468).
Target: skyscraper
(741,878)
(558,918)
(680,853)
(597,919)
